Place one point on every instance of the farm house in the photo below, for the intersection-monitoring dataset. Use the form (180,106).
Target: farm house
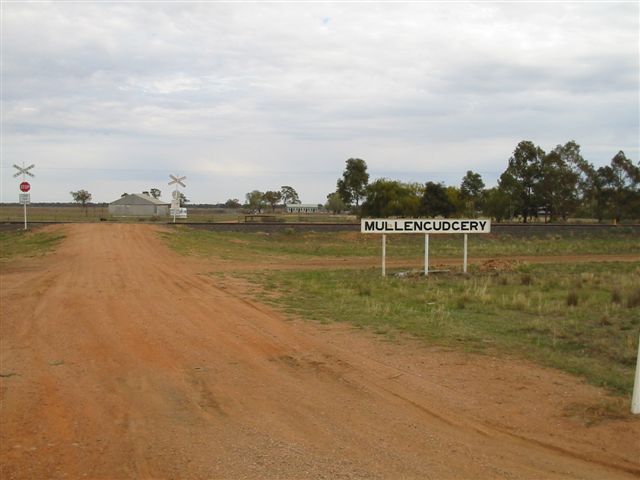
(138,205)
(302,208)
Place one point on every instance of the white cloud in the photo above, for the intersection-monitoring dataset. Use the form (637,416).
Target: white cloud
(244,94)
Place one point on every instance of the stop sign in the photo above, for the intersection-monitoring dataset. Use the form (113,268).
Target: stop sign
(25,186)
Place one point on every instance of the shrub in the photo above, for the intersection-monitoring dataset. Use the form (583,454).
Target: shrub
(634,299)
(526,279)
(616,296)
(572,298)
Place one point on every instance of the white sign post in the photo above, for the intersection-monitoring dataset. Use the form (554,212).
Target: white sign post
(175,203)
(24,171)
(635,399)
(427,226)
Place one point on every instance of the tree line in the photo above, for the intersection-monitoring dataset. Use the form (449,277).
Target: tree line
(536,184)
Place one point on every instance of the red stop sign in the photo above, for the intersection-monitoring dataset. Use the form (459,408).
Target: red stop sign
(25,186)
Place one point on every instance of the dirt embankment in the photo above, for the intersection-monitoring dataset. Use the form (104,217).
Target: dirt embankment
(120,359)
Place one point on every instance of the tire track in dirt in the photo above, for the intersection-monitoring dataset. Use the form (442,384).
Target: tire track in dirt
(130,363)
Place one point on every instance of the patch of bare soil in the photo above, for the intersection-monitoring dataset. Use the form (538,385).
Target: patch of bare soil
(120,359)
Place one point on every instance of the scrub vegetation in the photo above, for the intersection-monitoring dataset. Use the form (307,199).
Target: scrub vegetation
(27,243)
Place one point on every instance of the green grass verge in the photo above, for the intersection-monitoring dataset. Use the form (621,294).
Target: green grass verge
(249,246)
(583,319)
(27,243)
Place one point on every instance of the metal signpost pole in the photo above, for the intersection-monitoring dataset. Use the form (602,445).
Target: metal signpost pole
(464,267)
(24,186)
(176,197)
(384,255)
(426,255)
(175,204)
(635,399)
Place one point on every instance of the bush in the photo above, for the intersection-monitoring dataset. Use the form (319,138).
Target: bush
(572,298)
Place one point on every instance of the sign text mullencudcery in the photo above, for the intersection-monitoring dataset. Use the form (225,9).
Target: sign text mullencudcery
(371,225)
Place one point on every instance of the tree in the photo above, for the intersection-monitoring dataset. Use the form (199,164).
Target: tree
(435,201)
(621,186)
(81,197)
(496,204)
(471,190)
(124,194)
(352,186)
(255,200)
(334,203)
(519,181)
(455,198)
(289,195)
(386,198)
(232,203)
(557,186)
(272,198)
(155,193)
(183,200)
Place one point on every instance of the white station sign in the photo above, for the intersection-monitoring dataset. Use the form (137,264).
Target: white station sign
(425,226)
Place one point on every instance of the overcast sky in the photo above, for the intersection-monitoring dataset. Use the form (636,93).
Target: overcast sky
(113,97)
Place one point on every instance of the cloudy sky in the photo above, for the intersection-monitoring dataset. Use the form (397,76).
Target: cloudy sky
(113,97)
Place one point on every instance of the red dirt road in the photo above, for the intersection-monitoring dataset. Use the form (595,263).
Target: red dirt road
(120,359)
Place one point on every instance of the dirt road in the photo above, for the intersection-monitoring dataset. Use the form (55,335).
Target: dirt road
(120,359)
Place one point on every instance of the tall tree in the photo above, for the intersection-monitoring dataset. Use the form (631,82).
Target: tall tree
(386,198)
(557,187)
(81,197)
(255,200)
(334,203)
(519,181)
(232,203)
(496,204)
(272,198)
(289,195)
(472,186)
(352,186)
(621,182)
(435,201)
(155,193)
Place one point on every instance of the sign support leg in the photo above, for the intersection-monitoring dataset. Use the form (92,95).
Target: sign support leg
(635,399)
(384,255)
(464,264)
(25,216)
(426,255)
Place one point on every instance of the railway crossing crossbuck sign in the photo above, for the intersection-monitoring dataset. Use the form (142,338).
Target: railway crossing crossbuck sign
(176,211)
(25,186)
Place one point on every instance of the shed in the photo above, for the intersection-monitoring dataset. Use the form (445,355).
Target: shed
(138,205)
(302,208)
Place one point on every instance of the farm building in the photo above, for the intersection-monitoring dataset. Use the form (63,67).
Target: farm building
(302,208)
(138,205)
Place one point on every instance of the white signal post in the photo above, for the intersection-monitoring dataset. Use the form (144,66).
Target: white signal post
(426,255)
(24,197)
(635,399)
(175,204)
(384,255)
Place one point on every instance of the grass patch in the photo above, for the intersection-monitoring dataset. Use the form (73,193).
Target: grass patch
(27,243)
(546,320)
(239,246)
